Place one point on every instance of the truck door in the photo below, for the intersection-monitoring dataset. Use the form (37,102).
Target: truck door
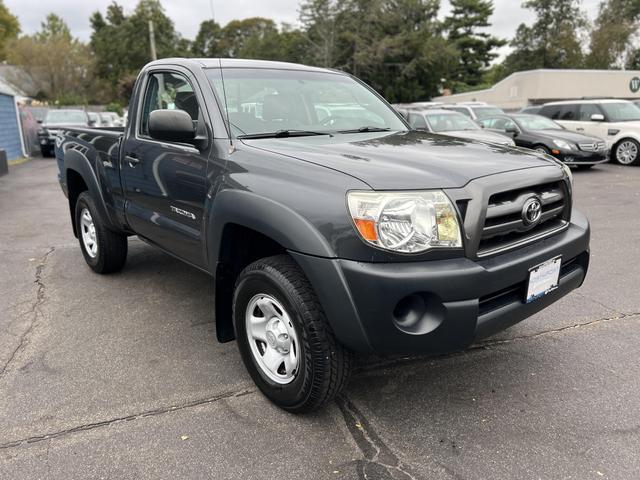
(166,183)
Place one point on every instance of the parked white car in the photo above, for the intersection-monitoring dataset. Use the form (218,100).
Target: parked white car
(617,122)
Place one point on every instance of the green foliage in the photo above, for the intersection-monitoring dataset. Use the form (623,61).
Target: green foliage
(9,28)
(115,107)
(614,27)
(465,27)
(120,43)
(554,39)
(53,65)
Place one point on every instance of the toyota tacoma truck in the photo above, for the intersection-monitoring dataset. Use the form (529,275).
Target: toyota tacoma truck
(330,226)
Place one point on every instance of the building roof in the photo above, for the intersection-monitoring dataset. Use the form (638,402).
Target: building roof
(545,85)
(6,86)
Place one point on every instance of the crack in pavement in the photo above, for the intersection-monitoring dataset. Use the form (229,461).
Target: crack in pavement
(127,418)
(491,343)
(379,461)
(34,312)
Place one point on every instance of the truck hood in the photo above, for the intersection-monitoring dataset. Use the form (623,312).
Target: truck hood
(404,160)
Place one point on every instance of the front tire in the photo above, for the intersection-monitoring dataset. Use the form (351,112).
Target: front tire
(284,338)
(104,251)
(627,152)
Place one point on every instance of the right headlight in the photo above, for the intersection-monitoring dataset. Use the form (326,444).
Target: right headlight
(405,222)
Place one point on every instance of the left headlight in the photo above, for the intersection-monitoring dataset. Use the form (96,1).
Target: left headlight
(563,144)
(405,222)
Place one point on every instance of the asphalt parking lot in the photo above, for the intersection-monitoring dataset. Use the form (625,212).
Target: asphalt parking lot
(120,376)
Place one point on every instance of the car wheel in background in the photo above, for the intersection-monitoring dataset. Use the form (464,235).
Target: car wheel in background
(104,251)
(542,149)
(284,338)
(46,152)
(627,152)
(585,167)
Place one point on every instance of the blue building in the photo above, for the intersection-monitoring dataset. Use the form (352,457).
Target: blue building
(10,131)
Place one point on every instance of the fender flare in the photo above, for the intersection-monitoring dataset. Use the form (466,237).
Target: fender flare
(268,217)
(79,163)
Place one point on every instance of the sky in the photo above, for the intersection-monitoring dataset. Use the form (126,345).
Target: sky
(187,14)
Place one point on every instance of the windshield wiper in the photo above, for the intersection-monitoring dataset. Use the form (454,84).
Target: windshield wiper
(366,128)
(283,134)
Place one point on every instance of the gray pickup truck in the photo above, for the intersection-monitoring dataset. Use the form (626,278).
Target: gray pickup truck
(330,226)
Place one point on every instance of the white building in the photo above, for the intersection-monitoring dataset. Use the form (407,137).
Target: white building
(535,87)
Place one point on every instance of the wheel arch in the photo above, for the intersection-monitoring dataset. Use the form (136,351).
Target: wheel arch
(80,177)
(245,227)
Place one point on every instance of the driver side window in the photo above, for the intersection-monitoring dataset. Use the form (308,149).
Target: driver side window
(168,91)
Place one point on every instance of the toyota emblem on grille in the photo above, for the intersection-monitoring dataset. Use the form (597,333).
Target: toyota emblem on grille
(531,212)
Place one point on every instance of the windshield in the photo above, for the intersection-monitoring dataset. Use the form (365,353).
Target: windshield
(449,122)
(537,122)
(262,101)
(487,111)
(621,112)
(66,116)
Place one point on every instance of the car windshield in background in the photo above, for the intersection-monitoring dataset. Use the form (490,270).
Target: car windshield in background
(621,112)
(487,111)
(66,116)
(537,122)
(450,122)
(262,101)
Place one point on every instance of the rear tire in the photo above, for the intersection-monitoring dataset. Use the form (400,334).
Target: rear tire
(46,152)
(104,251)
(627,152)
(585,167)
(312,367)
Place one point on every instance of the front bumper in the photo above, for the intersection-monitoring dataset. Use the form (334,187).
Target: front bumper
(444,305)
(578,157)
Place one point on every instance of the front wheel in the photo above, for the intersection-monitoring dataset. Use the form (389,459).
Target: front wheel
(284,338)
(627,151)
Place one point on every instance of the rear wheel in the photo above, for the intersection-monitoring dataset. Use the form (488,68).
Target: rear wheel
(585,167)
(284,338)
(104,251)
(627,152)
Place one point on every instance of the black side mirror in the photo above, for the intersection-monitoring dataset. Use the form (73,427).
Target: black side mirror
(39,120)
(171,126)
(512,131)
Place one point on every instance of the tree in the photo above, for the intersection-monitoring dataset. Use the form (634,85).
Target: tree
(9,28)
(207,42)
(476,48)
(321,25)
(396,46)
(120,43)
(554,39)
(237,33)
(56,66)
(616,24)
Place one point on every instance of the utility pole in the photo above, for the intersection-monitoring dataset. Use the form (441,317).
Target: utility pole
(152,41)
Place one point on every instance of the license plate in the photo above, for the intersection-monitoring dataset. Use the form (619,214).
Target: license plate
(543,278)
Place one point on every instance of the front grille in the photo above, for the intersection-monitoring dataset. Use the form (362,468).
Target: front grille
(592,146)
(504,225)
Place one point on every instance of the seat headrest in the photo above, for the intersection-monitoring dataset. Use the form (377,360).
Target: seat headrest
(188,102)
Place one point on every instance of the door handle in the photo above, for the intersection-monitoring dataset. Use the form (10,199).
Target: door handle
(579,129)
(132,160)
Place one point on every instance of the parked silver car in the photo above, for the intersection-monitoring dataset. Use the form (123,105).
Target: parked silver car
(453,124)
